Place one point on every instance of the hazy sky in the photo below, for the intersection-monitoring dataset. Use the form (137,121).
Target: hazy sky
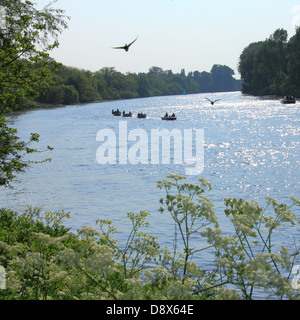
(173,34)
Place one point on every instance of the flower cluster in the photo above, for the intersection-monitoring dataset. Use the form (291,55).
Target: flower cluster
(44,260)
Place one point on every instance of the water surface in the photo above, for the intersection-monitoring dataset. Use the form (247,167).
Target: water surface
(251,151)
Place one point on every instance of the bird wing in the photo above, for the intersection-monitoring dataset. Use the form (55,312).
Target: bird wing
(217,100)
(208,99)
(132,42)
(118,47)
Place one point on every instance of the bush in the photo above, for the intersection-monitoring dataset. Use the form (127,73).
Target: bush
(44,260)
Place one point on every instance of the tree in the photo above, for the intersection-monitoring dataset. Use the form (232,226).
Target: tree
(71,95)
(25,66)
(24,59)
(222,79)
(143,86)
(83,82)
(293,63)
(156,71)
(204,80)
(109,84)
(246,65)
(271,67)
(261,65)
(280,36)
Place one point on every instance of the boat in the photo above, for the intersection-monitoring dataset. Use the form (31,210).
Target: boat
(128,115)
(288,100)
(141,115)
(116,113)
(167,117)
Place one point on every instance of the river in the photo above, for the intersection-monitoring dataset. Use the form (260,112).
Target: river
(251,149)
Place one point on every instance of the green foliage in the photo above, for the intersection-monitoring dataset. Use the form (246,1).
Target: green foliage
(293,63)
(43,260)
(190,216)
(250,260)
(109,84)
(25,69)
(271,67)
(24,60)
(29,75)
(13,151)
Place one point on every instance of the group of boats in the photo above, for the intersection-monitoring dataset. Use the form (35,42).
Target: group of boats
(140,115)
(127,115)
(123,114)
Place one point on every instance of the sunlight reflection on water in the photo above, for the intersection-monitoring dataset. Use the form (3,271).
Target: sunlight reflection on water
(251,151)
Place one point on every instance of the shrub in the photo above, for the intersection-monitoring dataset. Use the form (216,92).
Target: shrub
(44,260)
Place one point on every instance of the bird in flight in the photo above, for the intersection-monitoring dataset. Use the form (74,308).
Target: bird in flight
(126,47)
(212,102)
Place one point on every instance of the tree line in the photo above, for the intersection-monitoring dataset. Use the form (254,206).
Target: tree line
(71,85)
(272,67)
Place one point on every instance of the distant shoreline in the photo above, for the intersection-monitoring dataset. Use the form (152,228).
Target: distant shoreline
(41,106)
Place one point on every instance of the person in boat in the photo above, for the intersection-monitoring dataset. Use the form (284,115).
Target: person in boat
(173,115)
(166,115)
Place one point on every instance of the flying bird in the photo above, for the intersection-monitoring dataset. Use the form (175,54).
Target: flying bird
(126,47)
(212,102)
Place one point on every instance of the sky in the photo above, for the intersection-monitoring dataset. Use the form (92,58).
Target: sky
(172,34)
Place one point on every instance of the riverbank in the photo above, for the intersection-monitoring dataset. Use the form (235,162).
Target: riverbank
(37,106)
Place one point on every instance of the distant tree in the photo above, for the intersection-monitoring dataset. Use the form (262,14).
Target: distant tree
(169,73)
(104,79)
(204,80)
(156,71)
(280,36)
(84,84)
(261,66)
(222,79)
(267,69)
(143,86)
(109,84)
(293,63)
(271,67)
(55,95)
(247,66)
(71,95)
